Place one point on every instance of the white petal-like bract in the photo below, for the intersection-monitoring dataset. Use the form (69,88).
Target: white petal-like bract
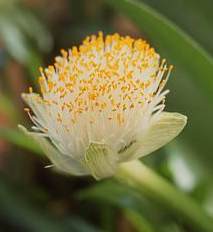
(162,130)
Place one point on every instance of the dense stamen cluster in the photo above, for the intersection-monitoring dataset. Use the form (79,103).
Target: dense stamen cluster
(101,97)
(114,76)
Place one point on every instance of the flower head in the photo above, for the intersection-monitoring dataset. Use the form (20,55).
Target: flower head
(102,104)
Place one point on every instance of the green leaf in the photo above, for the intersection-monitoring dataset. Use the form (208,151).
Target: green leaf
(20,210)
(138,221)
(138,210)
(20,139)
(181,49)
(31,26)
(13,40)
(146,181)
(194,17)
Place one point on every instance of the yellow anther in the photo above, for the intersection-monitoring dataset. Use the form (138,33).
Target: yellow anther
(30,89)
(27,110)
(102,74)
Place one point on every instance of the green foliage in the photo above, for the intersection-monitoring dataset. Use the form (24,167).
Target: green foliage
(17,26)
(20,139)
(24,215)
(144,214)
(181,32)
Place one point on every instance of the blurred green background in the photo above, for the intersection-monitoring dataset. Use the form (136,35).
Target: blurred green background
(32,32)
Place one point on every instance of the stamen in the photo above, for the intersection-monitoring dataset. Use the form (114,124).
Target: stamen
(112,76)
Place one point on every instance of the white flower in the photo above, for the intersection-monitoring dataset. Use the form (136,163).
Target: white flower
(102,104)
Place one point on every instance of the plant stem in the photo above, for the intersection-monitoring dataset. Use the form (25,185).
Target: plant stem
(143,179)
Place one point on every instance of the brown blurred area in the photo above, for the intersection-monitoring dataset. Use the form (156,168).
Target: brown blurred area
(55,24)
